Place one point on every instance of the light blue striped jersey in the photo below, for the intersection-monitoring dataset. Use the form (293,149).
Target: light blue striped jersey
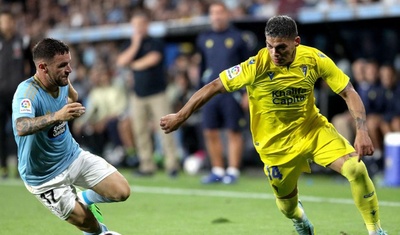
(44,154)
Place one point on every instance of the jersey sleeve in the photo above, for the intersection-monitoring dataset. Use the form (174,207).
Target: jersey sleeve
(334,77)
(240,75)
(23,105)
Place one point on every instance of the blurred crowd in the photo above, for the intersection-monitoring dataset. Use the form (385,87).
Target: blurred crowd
(103,87)
(35,17)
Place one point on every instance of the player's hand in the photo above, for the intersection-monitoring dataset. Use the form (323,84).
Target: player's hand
(70,111)
(363,144)
(170,123)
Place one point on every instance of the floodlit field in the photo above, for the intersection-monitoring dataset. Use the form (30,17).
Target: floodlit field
(164,206)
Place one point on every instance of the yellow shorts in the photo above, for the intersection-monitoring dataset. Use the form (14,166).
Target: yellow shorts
(323,146)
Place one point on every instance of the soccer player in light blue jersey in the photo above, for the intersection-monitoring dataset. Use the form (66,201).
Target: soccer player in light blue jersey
(51,163)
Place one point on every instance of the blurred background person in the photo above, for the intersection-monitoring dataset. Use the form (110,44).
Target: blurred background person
(12,71)
(149,101)
(189,136)
(373,98)
(105,121)
(391,85)
(221,47)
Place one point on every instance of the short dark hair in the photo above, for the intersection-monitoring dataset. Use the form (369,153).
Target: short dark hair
(281,26)
(218,3)
(6,12)
(48,48)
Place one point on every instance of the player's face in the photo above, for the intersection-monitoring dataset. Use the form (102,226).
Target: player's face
(59,69)
(282,50)
(219,17)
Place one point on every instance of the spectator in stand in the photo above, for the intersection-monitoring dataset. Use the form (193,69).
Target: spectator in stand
(144,57)
(222,47)
(289,7)
(371,93)
(105,114)
(263,8)
(391,85)
(12,72)
(190,132)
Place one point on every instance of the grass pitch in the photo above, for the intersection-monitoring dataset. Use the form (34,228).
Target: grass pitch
(164,206)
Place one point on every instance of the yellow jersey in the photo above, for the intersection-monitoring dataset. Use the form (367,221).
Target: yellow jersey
(281,98)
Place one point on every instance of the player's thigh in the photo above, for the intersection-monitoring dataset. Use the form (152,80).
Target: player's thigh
(114,187)
(283,178)
(94,172)
(328,146)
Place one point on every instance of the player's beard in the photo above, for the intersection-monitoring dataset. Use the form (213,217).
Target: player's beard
(61,81)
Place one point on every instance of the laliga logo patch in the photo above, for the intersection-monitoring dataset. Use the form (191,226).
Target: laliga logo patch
(25,106)
(233,72)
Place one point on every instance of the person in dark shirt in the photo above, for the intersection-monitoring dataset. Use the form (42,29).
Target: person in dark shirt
(391,85)
(222,47)
(12,67)
(371,93)
(144,57)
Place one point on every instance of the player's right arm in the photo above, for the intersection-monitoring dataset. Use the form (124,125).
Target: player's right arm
(171,122)
(28,125)
(362,143)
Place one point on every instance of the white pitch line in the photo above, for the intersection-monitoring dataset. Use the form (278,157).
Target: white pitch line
(227,194)
(245,195)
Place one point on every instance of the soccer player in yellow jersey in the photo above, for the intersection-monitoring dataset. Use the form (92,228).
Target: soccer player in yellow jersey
(286,126)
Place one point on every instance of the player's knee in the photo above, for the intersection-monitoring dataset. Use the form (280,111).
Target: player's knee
(352,169)
(289,212)
(287,207)
(122,194)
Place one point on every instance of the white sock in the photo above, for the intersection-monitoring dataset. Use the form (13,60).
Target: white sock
(218,171)
(233,171)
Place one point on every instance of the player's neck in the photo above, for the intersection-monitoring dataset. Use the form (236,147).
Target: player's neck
(53,91)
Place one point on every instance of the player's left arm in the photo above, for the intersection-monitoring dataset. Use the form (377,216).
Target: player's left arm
(72,93)
(362,143)
(171,122)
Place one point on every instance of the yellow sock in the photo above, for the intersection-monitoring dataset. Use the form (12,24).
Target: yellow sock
(289,207)
(363,191)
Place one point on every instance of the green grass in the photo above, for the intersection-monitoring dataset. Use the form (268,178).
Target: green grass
(183,206)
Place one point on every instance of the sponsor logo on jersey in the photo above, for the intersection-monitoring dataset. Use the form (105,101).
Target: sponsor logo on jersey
(289,96)
(57,130)
(233,72)
(25,106)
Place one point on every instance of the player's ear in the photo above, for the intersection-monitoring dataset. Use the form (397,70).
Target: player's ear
(297,41)
(43,67)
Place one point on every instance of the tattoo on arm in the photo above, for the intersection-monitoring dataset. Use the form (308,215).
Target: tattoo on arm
(361,124)
(355,106)
(27,126)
